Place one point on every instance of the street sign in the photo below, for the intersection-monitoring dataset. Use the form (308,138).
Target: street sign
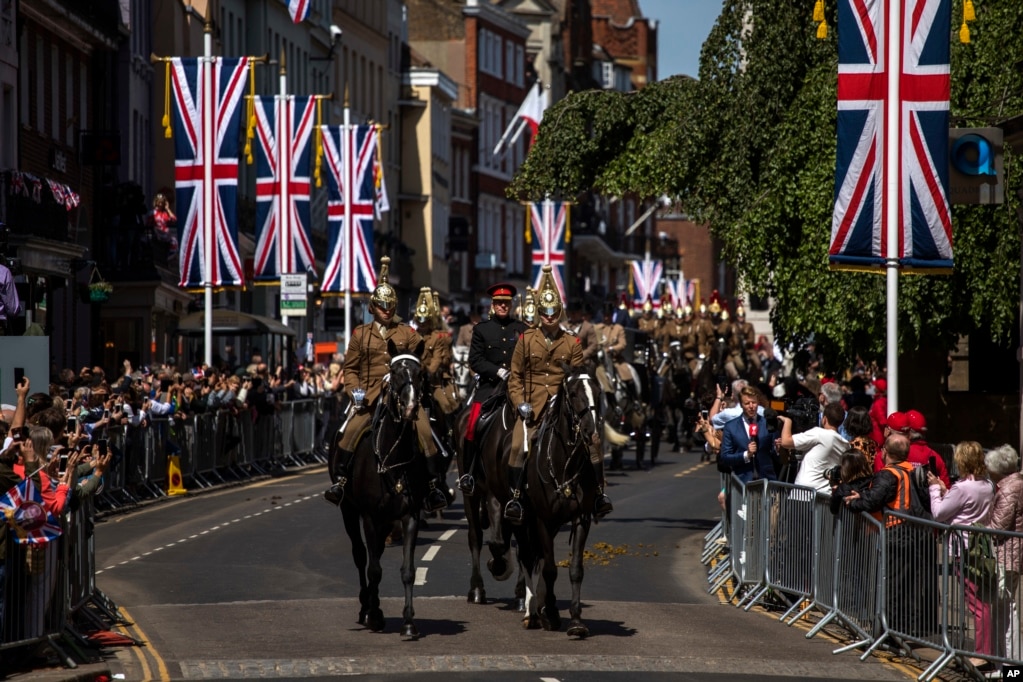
(976,172)
(293,295)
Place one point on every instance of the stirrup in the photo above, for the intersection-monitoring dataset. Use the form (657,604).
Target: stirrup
(513,511)
(467,484)
(335,494)
(602,505)
(436,500)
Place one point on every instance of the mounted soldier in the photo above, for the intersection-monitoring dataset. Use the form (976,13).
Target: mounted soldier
(541,358)
(490,355)
(366,368)
(743,346)
(436,361)
(585,331)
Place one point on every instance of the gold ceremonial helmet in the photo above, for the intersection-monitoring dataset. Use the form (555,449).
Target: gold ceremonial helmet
(714,308)
(687,310)
(436,310)
(549,302)
(529,307)
(724,316)
(740,313)
(384,296)
(424,307)
(648,304)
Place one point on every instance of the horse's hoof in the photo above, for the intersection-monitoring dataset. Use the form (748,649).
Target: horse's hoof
(477,595)
(362,618)
(500,568)
(530,622)
(552,623)
(577,629)
(520,604)
(375,621)
(409,631)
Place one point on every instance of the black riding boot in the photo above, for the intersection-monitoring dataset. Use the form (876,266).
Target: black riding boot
(513,511)
(435,497)
(335,493)
(466,482)
(601,502)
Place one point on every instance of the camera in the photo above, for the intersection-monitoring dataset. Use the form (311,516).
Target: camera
(834,475)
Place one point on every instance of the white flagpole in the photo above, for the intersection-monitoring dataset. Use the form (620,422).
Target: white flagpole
(507,131)
(893,139)
(346,247)
(209,145)
(284,241)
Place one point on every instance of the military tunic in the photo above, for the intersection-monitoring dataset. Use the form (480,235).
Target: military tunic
(537,370)
(367,361)
(437,359)
(491,350)
(587,335)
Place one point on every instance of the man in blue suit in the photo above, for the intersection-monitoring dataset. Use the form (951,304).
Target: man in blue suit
(750,458)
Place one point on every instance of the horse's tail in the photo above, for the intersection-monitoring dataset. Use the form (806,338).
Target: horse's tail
(614,438)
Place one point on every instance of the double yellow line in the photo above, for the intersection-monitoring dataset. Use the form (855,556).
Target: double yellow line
(132,629)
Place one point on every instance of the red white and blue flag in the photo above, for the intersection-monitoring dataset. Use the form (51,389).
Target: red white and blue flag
(299,9)
(22,508)
(859,224)
(350,271)
(207,114)
(549,221)
(682,291)
(284,127)
(647,276)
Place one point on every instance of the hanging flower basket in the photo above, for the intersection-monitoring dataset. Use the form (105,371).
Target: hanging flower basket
(99,289)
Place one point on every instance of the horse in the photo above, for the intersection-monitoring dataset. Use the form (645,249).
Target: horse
(681,405)
(488,466)
(561,486)
(463,374)
(389,480)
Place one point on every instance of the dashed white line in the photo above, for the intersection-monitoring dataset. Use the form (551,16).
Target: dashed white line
(420,576)
(431,552)
(447,535)
(549,679)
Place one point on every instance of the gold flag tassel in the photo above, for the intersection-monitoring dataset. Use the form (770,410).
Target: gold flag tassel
(529,216)
(378,173)
(167,132)
(822,30)
(568,223)
(318,172)
(969,13)
(818,11)
(250,131)
(964,34)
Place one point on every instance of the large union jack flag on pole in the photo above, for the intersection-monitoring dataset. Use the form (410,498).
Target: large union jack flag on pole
(647,276)
(682,291)
(549,222)
(867,60)
(207,113)
(352,271)
(284,127)
(22,508)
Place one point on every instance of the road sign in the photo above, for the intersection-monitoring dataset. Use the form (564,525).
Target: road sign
(293,295)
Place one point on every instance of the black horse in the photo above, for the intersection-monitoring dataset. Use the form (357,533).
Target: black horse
(561,486)
(487,464)
(680,406)
(389,479)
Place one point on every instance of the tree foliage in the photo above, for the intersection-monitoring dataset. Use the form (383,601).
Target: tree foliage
(749,149)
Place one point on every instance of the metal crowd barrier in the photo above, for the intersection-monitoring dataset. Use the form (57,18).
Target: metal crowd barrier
(900,582)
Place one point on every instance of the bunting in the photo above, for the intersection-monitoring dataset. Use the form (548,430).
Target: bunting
(647,276)
(549,222)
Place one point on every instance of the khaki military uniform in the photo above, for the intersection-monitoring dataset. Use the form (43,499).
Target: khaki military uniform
(705,336)
(743,334)
(367,362)
(536,375)
(437,359)
(647,324)
(587,335)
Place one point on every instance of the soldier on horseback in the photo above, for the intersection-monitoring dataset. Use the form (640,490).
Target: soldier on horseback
(538,367)
(367,364)
(743,346)
(584,330)
(490,355)
(436,362)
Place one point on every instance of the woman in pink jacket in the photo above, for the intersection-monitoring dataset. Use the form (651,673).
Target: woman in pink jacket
(1007,514)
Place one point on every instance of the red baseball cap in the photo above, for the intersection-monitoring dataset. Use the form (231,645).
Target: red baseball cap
(916,420)
(880,386)
(897,421)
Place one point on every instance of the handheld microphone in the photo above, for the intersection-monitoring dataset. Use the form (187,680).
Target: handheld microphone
(753,429)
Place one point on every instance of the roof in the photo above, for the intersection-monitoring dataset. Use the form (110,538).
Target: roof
(620,11)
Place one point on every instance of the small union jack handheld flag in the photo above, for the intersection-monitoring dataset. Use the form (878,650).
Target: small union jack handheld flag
(22,507)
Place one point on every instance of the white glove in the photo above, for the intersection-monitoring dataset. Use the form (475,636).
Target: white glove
(526,410)
(503,373)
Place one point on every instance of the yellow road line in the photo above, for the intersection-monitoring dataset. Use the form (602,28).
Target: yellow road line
(161,665)
(698,467)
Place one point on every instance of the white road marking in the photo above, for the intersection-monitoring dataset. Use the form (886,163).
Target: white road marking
(420,576)
(249,516)
(431,553)
(549,679)
(447,535)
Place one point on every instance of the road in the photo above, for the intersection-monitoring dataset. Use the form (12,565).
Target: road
(257,582)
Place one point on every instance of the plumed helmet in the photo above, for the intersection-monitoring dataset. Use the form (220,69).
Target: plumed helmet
(529,307)
(724,316)
(384,296)
(703,308)
(424,313)
(436,310)
(687,310)
(740,313)
(648,304)
(623,303)
(548,297)
(715,302)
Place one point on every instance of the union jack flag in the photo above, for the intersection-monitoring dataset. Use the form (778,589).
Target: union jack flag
(549,220)
(683,291)
(284,126)
(207,113)
(647,276)
(298,9)
(859,224)
(22,508)
(352,271)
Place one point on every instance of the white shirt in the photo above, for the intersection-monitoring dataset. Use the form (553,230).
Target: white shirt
(823,449)
(728,414)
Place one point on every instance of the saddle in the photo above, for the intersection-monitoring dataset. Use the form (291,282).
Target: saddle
(489,409)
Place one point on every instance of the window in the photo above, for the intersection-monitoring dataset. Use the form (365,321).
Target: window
(69,101)
(608,77)
(54,93)
(509,62)
(520,66)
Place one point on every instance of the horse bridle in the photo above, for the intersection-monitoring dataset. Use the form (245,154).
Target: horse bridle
(572,444)
(396,412)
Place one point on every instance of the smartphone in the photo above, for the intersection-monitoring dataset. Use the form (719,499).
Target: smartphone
(18,433)
(106,414)
(19,374)
(62,467)
(704,413)
(101,446)
(165,384)
(68,402)
(932,465)
(72,425)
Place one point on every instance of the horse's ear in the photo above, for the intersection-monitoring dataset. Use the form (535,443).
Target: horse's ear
(418,350)
(567,369)
(392,349)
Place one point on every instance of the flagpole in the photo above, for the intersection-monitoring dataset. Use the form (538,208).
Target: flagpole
(893,136)
(209,145)
(283,138)
(346,245)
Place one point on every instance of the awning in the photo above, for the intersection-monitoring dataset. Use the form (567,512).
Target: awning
(232,323)
(597,250)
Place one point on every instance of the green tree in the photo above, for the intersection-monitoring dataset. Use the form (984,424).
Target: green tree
(749,149)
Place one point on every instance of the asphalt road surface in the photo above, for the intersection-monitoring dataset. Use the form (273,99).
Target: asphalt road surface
(257,582)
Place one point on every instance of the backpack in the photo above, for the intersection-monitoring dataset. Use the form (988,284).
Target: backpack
(920,495)
(980,566)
